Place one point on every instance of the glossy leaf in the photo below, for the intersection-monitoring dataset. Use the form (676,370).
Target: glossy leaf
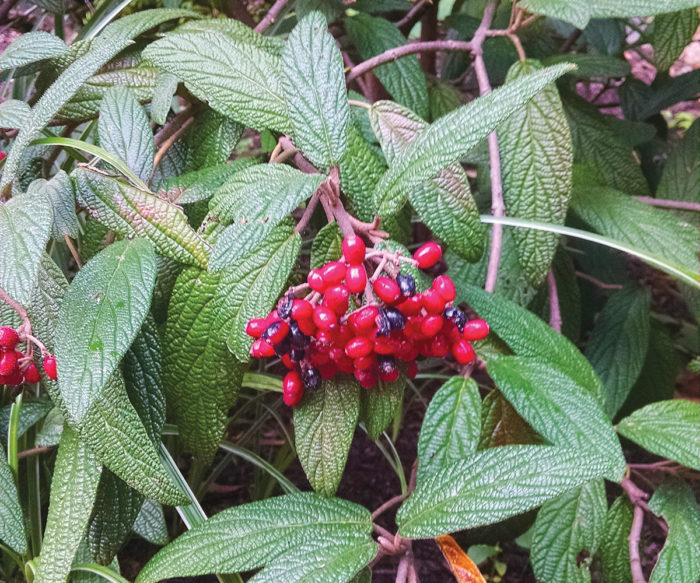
(614,547)
(11,518)
(502,425)
(150,524)
(59,191)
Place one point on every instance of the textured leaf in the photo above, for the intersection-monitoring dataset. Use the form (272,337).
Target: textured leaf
(379,404)
(402,78)
(577,12)
(679,561)
(236,30)
(566,529)
(326,246)
(536,159)
(324,424)
(614,547)
(73,490)
(297,537)
(237,79)
(672,33)
(502,425)
(11,518)
(592,65)
(125,132)
(640,101)
(195,355)
(31,47)
(130,211)
(666,428)
(25,225)
(314,78)
(14,113)
(163,94)
(560,410)
(150,524)
(30,414)
(252,286)
(444,142)
(618,344)
(59,191)
(493,485)
(443,99)
(451,426)
(51,430)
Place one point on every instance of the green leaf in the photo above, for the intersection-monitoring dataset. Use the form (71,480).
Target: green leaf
(73,491)
(379,405)
(679,561)
(577,12)
(163,94)
(59,191)
(667,428)
(130,211)
(237,79)
(640,101)
(296,537)
(567,529)
(451,426)
(326,246)
(592,65)
(536,159)
(672,33)
(100,315)
(618,344)
(31,47)
(559,409)
(14,113)
(313,76)
(195,354)
(502,425)
(251,287)
(124,131)
(493,485)
(236,30)
(11,518)
(614,547)
(150,524)
(30,414)
(443,99)
(324,424)
(444,142)
(444,202)
(25,225)
(402,78)
(51,429)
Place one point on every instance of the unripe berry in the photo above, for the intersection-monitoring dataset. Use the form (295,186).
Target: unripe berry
(50,367)
(353,250)
(333,272)
(387,290)
(356,278)
(316,281)
(433,302)
(358,347)
(324,317)
(445,287)
(477,329)
(8,362)
(8,338)
(463,352)
(427,255)
(31,375)
(407,284)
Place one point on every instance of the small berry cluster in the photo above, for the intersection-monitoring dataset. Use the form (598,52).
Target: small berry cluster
(315,336)
(16,367)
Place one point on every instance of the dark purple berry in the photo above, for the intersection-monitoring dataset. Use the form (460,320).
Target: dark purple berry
(311,378)
(397,321)
(284,306)
(299,339)
(407,284)
(457,316)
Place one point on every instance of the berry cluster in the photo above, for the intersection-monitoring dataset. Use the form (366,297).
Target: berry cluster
(16,367)
(315,336)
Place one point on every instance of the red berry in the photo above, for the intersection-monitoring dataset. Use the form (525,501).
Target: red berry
(31,375)
(428,255)
(358,347)
(50,367)
(292,388)
(387,290)
(384,345)
(431,325)
(353,250)
(411,306)
(327,371)
(439,346)
(307,326)
(333,272)
(302,310)
(463,352)
(389,376)
(433,302)
(412,370)
(287,361)
(475,330)
(324,317)
(356,278)
(336,298)
(364,362)
(14,378)
(256,327)
(8,362)
(276,332)
(363,320)
(445,287)
(316,281)
(367,378)
(8,338)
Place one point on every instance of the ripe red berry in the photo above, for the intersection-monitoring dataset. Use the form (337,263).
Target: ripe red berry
(316,281)
(445,287)
(353,250)
(477,329)
(292,388)
(8,338)
(356,278)
(389,376)
(363,362)
(411,306)
(8,362)
(13,379)
(256,327)
(428,255)
(276,332)
(362,321)
(358,347)
(431,325)
(50,367)
(387,290)
(384,345)
(324,317)
(336,298)
(463,352)
(302,310)
(433,302)
(307,326)
(31,375)
(333,272)
(412,370)
(287,361)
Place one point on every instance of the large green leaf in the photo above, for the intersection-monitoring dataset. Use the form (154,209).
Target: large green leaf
(297,537)
(493,485)
(640,101)
(451,427)
(672,33)
(163,93)
(566,530)
(30,414)
(502,425)
(402,78)
(667,428)
(326,246)
(679,561)
(536,161)
(562,411)
(125,132)
(379,404)
(614,548)
(314,79)
(31,47)
(130,211)
(618,344)
(14,113)
(25,225)
(444,141)
(324,424)
(235,29)
(11,517)
(59,191)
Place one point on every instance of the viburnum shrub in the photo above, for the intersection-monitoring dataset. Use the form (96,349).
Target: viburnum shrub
(323,291)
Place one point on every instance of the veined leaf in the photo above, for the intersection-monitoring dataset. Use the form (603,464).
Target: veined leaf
(493,485)
(451,426)
(443,99)
(163,94)
(379,404)
(564,529)
(130,211)
(11,518)
(150,524)
(59,191)
(536,158)
(14,113)
(618,344)
(614,547)
(201,184)
(25,225)
(30,414)
(672,33)
(31,47)
(592,65)
(326,246)
(577,12)
(324,424)
(296,537)
(502,425)
(666,428)
(236,30)
(679,561)
(313,77)
(443,142)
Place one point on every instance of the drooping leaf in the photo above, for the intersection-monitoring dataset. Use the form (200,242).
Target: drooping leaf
(379,404)
(326,245)
(59,191)
(614,547)
(666,428)
(568,531)
(163,94)
(11,518)
(618,344)
(150,524)
(297,537)
(130,211)
(324,424)
(314,79)
(502,425)
(672,33)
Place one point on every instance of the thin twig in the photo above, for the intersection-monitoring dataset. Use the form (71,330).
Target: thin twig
(388,504)
(637,497)
(554,309)
(172,126)
(308,212)
(269,18)
(33,451)
(73,251)
(413,12)
(671,204)
(169,142)
(597,282)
